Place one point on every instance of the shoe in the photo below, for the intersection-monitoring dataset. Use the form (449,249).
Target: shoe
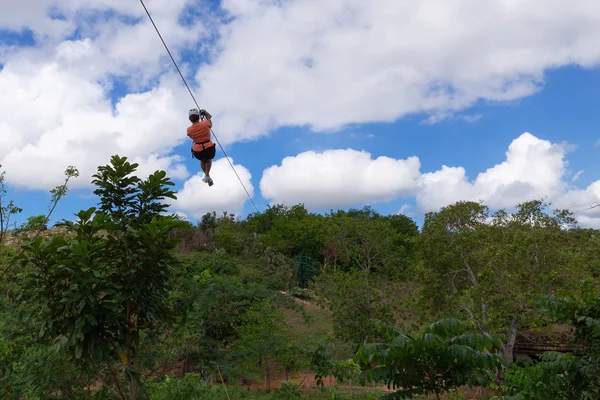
(210,181)
(205,179)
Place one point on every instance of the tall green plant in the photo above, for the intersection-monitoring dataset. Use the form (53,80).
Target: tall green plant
(445,356)
(96,292)
(8,209)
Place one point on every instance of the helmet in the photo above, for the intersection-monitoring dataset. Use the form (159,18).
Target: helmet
(194,111)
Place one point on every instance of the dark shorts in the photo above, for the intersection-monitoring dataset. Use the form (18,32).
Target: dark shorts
(206,154)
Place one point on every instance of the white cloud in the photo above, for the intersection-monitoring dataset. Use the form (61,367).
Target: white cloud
(297,62)
(534,168)
(338,178)
(407,210)
(53,118)
(448,116)
(327,64)
(56,97)
(196,198)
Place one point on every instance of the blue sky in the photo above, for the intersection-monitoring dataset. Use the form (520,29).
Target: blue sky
(102,91)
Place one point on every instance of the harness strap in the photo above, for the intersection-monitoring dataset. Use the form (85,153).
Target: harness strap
(201,144)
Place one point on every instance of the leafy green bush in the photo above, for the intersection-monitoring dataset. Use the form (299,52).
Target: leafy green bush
(191,387)
(445,356)
(35,223)
(302,293)
(564,376)
(556,376)
(217,264)
(287,390)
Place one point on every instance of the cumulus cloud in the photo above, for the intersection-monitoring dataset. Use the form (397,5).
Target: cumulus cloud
(298,62)
(338,178)
(53,118)
(58,106)
(196,198)
(328,64)
(534,168)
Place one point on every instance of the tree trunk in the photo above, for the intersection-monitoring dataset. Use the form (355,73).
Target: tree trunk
(112,373)
(184,367)
(132,393)
(509,347)
(267,377)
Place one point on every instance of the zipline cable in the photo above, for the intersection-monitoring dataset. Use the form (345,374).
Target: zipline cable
(197,105)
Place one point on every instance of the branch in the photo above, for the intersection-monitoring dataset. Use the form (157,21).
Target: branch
(57,194)
(112,373)
(481,326)
(100,375)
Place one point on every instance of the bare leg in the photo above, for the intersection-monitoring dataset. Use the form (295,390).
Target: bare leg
(208,164)
(203,166)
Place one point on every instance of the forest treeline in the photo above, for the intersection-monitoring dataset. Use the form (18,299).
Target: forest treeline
(128,301)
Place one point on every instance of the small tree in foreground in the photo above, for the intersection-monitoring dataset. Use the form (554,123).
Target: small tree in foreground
(445,356)
(7,209)
(95,292)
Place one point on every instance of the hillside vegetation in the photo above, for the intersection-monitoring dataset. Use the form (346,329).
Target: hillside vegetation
(128,301)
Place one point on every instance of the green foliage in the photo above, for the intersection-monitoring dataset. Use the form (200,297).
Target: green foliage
(324,365)
(7,209)
(260,338)
(556,376)
(95,293)
(287,391)
(35,223)
(491,265)
(445,356)
(292,231)
(192,387)
(355,302)
(368,241)
(41,371)
(564,376)
(217,264)
(303,273)
(113,287)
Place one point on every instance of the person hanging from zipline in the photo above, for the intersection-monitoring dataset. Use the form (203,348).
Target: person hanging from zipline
(203,148)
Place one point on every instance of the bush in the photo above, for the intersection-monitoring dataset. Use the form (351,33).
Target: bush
(217,264)
(35,223)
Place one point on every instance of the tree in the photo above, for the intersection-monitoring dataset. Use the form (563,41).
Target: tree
(7,209)
(363,239)
(35,223)
(292,230)
(445,356)
(490,265)
(262,338)
(565,376)
(355,301)
(94,294)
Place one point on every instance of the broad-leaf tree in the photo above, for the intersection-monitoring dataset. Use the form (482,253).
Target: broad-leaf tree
(447,355)
(98,290)
(491,264)
(354,300)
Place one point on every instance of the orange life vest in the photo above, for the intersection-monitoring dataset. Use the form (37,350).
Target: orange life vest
(199,132)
